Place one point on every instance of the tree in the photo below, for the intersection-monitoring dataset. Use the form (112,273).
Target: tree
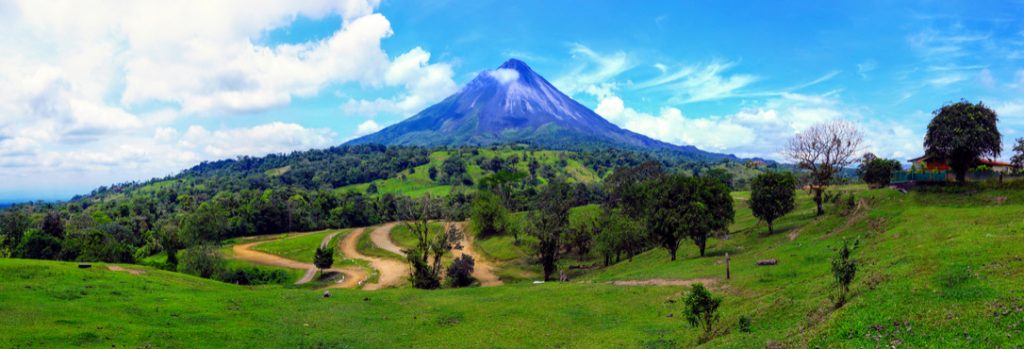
(844,269)
(618,235)
(425,257)
(53,225)
(772,195)
(823,150)
(202,260)
(206,224)
(502,183)
(432,173)
(876,171)
(13,225)
(36,244)
(548,221)
(962,132)
(676,207)
(489,216)
(701,310)
(323,258)
(1018,154)
(169,242)
(460,272)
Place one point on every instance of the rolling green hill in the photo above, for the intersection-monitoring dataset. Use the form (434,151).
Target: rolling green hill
(937,268)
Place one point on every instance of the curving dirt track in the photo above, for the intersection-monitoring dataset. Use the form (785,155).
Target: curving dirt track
(483,269)
(382,238)
(392,272)
(354,276)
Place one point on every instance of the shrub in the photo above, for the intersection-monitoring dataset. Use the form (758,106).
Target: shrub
(253,276)
(460,272)
(323,258)
(202,260)
(744,324)
(844,269)
(702,310)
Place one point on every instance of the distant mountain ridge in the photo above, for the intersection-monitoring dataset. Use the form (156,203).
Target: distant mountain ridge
(514,104)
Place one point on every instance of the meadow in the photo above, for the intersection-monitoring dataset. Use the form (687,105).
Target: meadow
(938,267)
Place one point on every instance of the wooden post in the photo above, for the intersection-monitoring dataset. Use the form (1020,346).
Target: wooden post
(727,266)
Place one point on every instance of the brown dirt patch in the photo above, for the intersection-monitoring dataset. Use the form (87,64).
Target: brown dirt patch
(119,268)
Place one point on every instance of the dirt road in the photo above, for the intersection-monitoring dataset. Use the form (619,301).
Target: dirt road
(483,269)
(382,238)
(354,276)
(392,272)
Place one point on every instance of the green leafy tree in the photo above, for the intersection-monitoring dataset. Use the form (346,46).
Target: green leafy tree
(1018,154)
(877,171)
(677,207)
(323,258)
(701,310)
(844,269)
(503,183)
(619,235)
(772,195)
(13,225)
(206,224)
(548,221)
(36,244)
(202,260)
(962,132)
(489,216)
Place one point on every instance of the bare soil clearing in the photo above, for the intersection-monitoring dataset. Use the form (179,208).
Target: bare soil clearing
(119,268)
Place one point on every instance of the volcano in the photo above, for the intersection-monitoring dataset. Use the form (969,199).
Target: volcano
(514,104)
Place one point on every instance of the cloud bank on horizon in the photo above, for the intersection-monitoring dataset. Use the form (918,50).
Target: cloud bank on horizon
(102,92)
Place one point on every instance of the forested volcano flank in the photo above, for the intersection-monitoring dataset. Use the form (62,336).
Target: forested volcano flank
(514,104)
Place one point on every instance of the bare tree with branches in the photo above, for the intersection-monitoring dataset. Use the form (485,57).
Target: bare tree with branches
(824,149)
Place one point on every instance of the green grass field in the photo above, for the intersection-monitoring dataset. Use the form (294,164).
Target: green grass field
(937,268)
(300,247)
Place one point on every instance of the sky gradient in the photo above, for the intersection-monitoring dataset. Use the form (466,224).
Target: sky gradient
(97,93)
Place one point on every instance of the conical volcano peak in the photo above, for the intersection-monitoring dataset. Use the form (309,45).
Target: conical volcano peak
(512,104)
(516,65)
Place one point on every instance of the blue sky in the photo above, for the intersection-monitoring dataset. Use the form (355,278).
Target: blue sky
(103,93)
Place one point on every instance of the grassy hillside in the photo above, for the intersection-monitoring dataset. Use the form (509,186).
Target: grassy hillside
(300,247)
(937,268)
(416,182)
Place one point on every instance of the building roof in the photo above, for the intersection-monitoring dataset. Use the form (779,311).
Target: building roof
(983,161)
